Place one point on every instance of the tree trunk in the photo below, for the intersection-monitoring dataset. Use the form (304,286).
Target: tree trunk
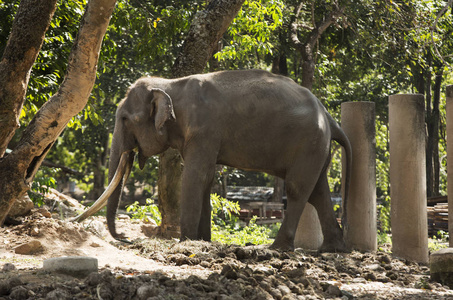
(307,48)
(169,183)
(20,166)
(279,188)
(29,27)
(206,29)
(436,121)
(100,164)
(429,140)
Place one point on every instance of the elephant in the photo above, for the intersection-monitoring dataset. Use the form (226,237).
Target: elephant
(247,119)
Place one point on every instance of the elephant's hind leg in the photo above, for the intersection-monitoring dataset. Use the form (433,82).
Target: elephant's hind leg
(320,199)
(298,190)
(204,228)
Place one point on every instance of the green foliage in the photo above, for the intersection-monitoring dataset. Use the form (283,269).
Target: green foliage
(383,238)
(43,182)
(225,227)
(250,234)
(223,211)
(253,31)
(147,212)
(438,241)
(384,215)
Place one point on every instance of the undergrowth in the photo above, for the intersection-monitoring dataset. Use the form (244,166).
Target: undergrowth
(226,228)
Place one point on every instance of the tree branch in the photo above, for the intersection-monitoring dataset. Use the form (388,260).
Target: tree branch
(27,35)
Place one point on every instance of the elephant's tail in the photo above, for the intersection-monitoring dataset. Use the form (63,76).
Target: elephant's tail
(339,136)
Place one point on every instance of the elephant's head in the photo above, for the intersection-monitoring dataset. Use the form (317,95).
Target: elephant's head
(141,123)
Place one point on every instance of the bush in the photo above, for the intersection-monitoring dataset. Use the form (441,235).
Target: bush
(226,228)
(147,212)
(225,224)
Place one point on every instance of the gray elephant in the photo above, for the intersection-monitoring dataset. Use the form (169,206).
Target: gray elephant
(250,119)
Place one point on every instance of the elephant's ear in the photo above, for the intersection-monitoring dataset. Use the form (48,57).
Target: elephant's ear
(163,106)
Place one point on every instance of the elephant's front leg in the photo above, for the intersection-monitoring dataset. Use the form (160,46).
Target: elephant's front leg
(197,178)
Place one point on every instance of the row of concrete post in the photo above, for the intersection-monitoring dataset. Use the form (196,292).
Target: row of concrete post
(407,143)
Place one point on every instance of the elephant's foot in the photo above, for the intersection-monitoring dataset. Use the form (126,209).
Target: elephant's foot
(337,245)
(282,244)
(121,237)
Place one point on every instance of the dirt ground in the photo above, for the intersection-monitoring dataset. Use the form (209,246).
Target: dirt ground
(152,268)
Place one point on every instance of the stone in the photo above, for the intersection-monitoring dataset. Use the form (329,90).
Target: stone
(441,266)
(333,290)
(123,217)
(19,292)
(150,230)
(8,267)
(21,207)
(29,248)
(44,212)
(76,266)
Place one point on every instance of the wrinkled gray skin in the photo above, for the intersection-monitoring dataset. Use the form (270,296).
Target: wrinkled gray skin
(252,120)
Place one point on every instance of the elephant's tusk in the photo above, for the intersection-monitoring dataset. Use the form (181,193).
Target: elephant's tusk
(123,167)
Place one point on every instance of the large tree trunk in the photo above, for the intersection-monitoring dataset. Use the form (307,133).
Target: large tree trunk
(29,27)
(307,48)
(206,29)
(19,167)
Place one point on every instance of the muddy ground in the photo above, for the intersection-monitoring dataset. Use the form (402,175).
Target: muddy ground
(152,268)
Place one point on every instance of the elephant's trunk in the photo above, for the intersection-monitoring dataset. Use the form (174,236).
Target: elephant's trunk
(123,167)
(117,166)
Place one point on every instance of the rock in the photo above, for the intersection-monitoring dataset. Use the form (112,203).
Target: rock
(147,291)
(370,276)
(97,227)
(150,230)
(58,294)
(29,248)
(229,272)
(93,279)
(44,212)
(8,267)
(8,284)
(34,231)
(21,207)
(19,293)
(123,217)
(284,289)
(76,266)
(333,290)
(179,259)
(441,266)
(385,259)
(105,291)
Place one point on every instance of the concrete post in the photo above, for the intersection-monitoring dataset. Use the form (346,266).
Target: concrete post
(309,232)
(449,109)
(358,122)
(408,177)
